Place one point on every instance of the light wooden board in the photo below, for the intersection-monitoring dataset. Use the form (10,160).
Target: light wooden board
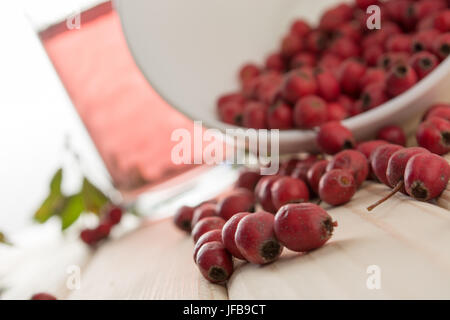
(153,262)
(407,240)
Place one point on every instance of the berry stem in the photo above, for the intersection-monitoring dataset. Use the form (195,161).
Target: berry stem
(397,188)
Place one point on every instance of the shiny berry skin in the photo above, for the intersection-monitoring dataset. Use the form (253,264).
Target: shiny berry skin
(434,135)
(303,227)
(380,159)
(397,164)
(280,116)
(248,179)
(240,200)
(424,63)
(344,48)
(426,176)
(442,45)
(203,211)
(401,78)
(215,262)
(309,112)
(337,187)
(336,112)
(291,45)
(351,160)
(249,72)
(298,83)
(301,170)
(328,85)
(303,59)
(399,43)
(423,40)
(349,74)
(373,96)
(43,296)
(264,193)
(333,137)
(183,218)
(229,233)
(315,172)
(256,239)
(289,190)
(210,236)
(232,113)
(368,147)
(440,110)
(275,62)
(300,27)
(255,115)
(442,21)
(205,225)
(392,134)
(372,75)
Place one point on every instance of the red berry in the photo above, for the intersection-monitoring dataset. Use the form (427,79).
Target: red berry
(183,218)
(425,8)
(300,28)
(368,147)
(264,194)
(350,30)
(303,59)
(287,167)
(334,137)
(424,63)
(426,176)
(389,60)
(303,227)
(328,85)
(289,190)
(373,54)
(336,112)
(268,86)
(231,113)
(114,214)
(442,21)
(350,73)
(337,187)
(399,43)
(103,230)
(229,233)
(373,75)
(329,61)
(275,62)
(43,296)
(249,72)
(346,102)
(256,240)
(298,83)
(351,160)
(301,170)
(335,17)
(231,97)
(397,164)
(203,211)
(291,45)
(392,134)
(363,4)
(89,237)
(316,41)
(345,48)
(215,262)
(248,179)
(210,236)
(314,174)
(380,159)
(423,40)
(240,200)
(205,225)
(280,116)
(400,78)
(442,45)
(440,110)
(434,135)
(255,115)
(373,96)
(310,111)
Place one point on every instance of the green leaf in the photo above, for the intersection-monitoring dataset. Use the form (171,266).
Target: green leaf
(4,240)
(72,210)
(94,198)
(54,202)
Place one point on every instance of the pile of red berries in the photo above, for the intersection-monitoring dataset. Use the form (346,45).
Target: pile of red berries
(110,216)
(341,68)
(230,228)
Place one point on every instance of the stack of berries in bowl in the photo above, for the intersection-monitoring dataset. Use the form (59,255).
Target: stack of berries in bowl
(264,214)
(340,68)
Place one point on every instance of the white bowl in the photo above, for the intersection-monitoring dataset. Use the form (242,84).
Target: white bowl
(190,52)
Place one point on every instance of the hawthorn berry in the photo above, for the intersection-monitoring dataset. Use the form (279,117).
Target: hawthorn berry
(380,159)
(333,137)
(327,84)
(205,225)
(280,116)
(424,63)
(298,83)
(264,194)
(337,187)
(351,160)
(315,172)
(229,234)
(215,262)
(203,211)
(183,218)
(275,62)
(336,112)
(289,190)
(255,115)
(442,45)
(240,200)
(248,179)
(401,78)
(210,236)
(310,111)
(439,110)
(392,134)
(43,296)
(249,72)
(434,135)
